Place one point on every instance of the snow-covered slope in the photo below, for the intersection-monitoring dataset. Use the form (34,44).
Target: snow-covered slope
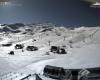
(81,44)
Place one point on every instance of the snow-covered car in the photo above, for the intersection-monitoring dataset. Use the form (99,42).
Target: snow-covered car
(7,45)
(19,46)
(57,49)
(32,48)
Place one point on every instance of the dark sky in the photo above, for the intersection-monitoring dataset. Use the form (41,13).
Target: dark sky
(66,12)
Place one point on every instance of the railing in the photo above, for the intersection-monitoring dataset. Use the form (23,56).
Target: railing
(26,77)
(15,76)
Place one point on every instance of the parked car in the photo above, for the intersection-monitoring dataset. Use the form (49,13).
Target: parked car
(58,50)
(7,45)
(32,48)
(19,46)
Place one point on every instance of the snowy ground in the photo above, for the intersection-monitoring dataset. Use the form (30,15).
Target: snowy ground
(82,46)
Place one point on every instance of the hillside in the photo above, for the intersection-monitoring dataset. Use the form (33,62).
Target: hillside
(81,45)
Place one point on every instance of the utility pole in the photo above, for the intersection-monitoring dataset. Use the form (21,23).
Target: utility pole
(49,42)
